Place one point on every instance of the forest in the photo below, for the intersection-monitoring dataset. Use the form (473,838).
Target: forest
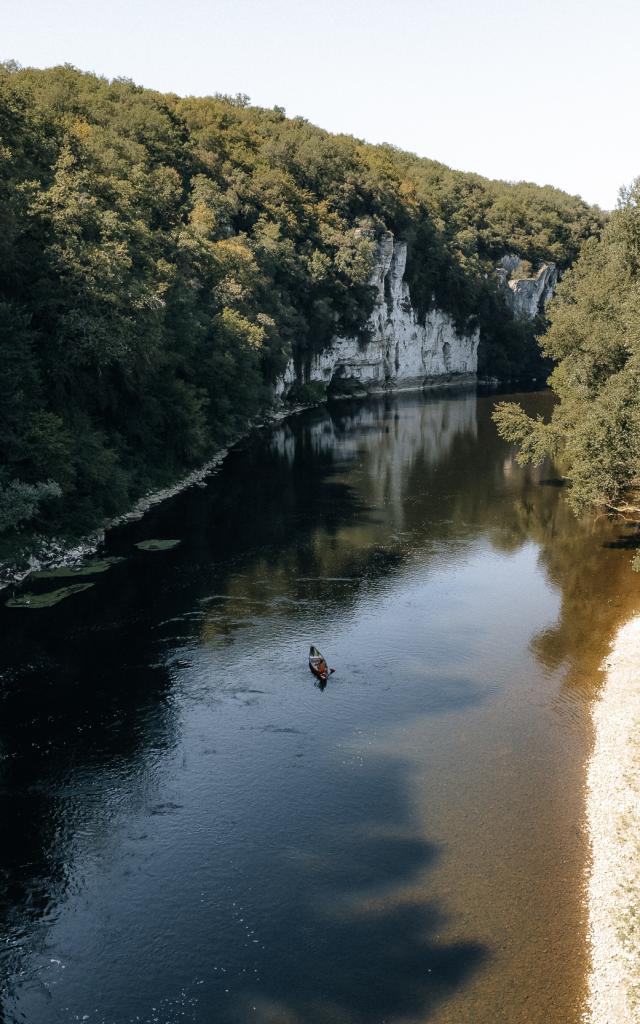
(163,257)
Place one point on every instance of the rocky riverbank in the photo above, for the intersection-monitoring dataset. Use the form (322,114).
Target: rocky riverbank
(613,814)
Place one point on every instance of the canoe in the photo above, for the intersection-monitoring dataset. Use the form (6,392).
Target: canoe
(318,665)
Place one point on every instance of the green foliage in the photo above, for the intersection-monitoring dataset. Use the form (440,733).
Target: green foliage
(163,258)
(48,599)
(312,393)
(20,501)
(536,439)
(69,571)
(345,387)
(523,271)
(594,336)
(541,223)
(157,545)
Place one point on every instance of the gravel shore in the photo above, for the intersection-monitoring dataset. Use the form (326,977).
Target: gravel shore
(613,814)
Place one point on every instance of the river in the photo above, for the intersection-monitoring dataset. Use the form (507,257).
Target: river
(194,831)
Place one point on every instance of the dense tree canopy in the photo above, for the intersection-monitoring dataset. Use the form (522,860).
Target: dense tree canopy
(594,337)
(163,257)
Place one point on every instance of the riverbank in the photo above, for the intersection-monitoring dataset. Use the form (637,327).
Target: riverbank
(52,552)
(613,814)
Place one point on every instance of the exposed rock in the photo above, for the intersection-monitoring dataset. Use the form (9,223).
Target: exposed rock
(401,352)
(527,296)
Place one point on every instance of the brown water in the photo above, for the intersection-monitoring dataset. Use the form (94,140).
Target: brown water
(192,831)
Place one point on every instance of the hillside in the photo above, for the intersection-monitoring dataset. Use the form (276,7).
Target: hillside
(164,257)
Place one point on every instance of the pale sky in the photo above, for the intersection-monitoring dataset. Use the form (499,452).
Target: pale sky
(545,91)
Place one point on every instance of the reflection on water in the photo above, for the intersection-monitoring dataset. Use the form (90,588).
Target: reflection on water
(194,831)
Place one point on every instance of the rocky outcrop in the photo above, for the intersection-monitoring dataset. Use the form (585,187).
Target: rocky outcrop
(527,296)
(401,352)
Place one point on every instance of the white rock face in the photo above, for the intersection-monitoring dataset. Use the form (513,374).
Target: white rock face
(528,296)
(401,352)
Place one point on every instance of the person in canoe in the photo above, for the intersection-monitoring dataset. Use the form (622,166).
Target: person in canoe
(318,665)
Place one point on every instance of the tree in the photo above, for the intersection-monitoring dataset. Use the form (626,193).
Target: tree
(595,338)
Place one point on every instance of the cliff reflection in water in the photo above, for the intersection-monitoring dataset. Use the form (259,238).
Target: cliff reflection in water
(167,760)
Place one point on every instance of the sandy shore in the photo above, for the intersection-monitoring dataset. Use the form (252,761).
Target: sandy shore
(613,814)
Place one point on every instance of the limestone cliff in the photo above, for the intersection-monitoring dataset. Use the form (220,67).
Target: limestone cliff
(401,351)
(527,296)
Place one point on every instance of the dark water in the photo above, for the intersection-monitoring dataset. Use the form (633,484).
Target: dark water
(193,831)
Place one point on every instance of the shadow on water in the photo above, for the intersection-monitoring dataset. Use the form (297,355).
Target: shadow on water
(629,541)
(339,942)
(357,949)
(361,959)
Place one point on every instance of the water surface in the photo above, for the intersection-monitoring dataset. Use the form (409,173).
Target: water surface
(194,831)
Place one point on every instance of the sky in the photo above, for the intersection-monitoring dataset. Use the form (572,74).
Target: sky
(545,92)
